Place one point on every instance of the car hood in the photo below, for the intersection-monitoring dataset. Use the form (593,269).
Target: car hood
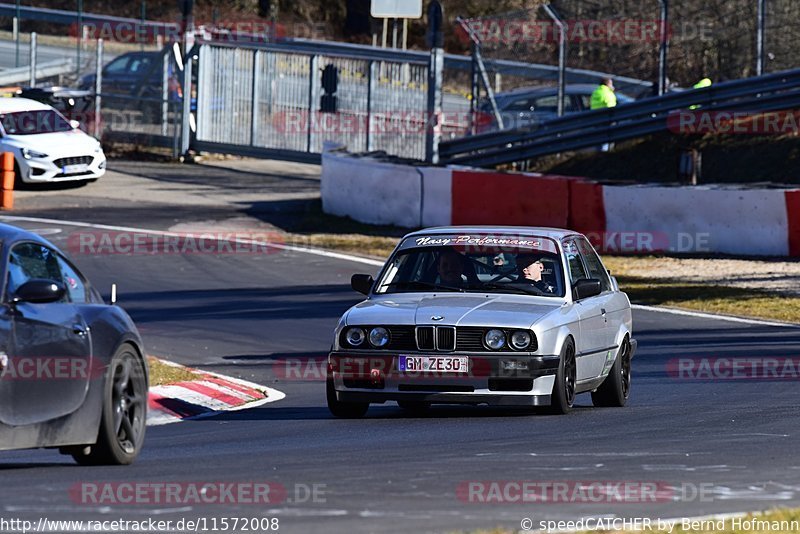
(512,311)
(56,144)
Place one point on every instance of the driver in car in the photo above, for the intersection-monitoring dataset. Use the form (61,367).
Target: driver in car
(450,268)
(532,270)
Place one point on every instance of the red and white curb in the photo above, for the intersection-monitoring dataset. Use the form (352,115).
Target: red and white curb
(210,394)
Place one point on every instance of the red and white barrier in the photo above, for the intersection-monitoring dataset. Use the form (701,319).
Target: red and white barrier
(625,219)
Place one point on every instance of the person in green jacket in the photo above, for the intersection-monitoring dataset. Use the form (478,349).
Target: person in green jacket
(604,97)
(705,82)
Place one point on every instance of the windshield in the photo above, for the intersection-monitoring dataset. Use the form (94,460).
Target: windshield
(528,265)
(34,122)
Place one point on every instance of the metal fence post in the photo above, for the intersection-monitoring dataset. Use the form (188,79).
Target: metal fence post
(562,54)
(254,105)
(33,59)
(372,75)
(760,32)
(80,38)
(165,60)
(186,128)
(433,130)
(98,88)
(313,71)
(664,48)
(475,88)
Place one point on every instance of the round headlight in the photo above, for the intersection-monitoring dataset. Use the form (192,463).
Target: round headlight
(378,337)
(521,340)
(355,337)
(495,339)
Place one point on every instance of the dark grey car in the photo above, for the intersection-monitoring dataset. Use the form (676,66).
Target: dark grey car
(528,107)
(72,368)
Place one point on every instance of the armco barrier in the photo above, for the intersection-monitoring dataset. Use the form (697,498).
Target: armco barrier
(616,218)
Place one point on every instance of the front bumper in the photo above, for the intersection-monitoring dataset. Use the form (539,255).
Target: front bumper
(36,170)
(374,377)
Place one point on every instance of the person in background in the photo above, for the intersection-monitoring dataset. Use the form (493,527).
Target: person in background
(705,82)
(602,98)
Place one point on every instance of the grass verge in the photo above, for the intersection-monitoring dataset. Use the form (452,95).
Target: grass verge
(162,374)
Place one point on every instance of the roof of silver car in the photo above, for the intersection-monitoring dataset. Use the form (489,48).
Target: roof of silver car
(553,233)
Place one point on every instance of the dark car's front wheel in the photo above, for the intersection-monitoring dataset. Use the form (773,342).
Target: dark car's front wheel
(346,410)
(124,417)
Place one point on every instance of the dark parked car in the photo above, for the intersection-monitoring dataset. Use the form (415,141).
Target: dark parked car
(72,370)
(532,106)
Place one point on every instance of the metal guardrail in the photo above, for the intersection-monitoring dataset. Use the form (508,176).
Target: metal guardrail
(451,61)
(43,70)
(765,93)
(71,17)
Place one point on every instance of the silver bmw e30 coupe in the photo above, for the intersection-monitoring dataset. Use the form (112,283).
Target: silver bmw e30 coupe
(505,316)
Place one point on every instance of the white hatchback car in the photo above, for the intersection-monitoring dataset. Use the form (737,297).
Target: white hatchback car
(47,147)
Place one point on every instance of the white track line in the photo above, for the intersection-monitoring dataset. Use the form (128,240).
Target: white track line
(375,263)
(307,250)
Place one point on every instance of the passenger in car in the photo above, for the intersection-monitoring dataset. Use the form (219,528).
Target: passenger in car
(531,270)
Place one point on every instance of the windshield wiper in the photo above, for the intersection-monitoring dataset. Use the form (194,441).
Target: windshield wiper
(429,285)
(525,289)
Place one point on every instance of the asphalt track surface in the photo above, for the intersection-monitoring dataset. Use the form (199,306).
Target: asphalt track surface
(243,314)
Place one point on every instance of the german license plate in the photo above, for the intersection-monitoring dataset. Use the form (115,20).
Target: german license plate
(74,169)
(437,364)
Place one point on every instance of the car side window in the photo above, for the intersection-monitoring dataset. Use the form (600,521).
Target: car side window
(548,103)
(117,66)
(525,104)
(596,269)
(576,270)
(28,261)
(74,282)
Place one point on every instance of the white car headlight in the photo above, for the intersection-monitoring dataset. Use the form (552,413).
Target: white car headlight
(27,153)
(355,337)
(521,340)
(378,337)
(495,339)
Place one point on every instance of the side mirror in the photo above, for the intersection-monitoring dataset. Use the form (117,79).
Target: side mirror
(586,288)
(75,124)
(39,291)
(362,283)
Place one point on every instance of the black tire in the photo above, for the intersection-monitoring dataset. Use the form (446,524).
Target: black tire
(616,388)
(563,396)
(414,407)
(124,417)
(345,410)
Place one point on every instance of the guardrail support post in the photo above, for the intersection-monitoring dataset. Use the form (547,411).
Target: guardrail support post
(7,201)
